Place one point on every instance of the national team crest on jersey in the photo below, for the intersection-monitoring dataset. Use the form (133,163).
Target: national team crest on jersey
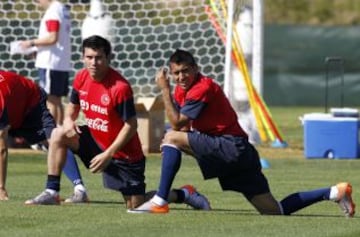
(105,99)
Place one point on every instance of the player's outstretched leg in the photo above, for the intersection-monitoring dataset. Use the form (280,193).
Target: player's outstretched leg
(339,193)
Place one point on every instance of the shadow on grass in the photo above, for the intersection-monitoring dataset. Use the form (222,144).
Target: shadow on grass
(248,212)
(100,202)
(322,215)
(217,210)
(105,202)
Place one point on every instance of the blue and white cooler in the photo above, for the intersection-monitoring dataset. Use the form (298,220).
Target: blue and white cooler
(334,135)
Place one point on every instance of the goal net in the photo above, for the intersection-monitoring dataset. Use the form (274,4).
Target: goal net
(144,34)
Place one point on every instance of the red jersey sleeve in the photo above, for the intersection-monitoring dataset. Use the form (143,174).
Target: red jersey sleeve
(53,25)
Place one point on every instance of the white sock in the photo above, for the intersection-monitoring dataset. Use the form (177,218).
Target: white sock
(333,193)
(51,191)
(159,200)
(79,187)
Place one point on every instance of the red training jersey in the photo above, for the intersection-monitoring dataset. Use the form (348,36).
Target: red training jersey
(106,105)
(208,108)
(18,95)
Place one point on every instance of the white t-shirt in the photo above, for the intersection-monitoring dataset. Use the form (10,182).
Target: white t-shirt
(56,56)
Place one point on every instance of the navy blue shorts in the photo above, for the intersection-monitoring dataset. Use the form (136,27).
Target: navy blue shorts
(54,82)
(233,160)
(120,175)
(37,125)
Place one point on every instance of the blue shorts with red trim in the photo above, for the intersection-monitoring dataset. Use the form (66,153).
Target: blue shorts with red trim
(233,160)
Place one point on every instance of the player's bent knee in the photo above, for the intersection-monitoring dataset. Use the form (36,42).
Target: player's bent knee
(175,138)
(58,134)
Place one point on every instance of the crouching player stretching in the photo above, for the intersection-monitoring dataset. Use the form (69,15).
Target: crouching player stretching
(219,145)
(109,141)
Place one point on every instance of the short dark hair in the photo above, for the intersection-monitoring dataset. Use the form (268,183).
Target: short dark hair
(182,56)
(97,42)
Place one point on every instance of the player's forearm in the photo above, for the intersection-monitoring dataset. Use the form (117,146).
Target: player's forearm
(172,114)
(50,39)
(72,112)
(3,168)
(3,161)
(126,133)
(69,123)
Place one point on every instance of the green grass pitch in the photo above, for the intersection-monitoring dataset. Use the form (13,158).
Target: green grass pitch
(231,215)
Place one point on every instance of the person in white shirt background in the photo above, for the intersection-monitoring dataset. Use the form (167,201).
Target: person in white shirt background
(53,60)
(53,54)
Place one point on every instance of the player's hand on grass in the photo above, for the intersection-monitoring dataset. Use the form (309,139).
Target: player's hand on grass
(3,195)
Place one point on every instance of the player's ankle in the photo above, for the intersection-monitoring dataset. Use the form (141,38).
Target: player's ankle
(159,200)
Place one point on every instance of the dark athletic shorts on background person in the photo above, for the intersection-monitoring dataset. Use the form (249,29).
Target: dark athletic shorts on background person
(120,175)
(233,160)
(54,82)
(38,123)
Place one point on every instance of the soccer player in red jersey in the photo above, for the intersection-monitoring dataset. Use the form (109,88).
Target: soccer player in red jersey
(23,113)
(109,141)
(205,126)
